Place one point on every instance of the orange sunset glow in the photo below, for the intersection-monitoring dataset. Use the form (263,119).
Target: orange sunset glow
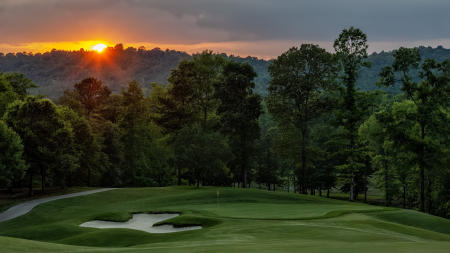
(41,47)
(99,47)
(225,125)
(38,26)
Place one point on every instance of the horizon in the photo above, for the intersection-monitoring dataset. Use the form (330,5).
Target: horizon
(224,125)
(91,48)
(262,29)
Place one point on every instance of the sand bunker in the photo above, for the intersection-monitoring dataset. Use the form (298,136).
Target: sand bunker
(143,222)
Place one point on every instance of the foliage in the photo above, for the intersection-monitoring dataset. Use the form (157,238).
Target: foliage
(20,84)
(351,50)
(87,148)
(48,141)
(7,94)
(12,164)
(301,77)
(204,153)
(56,71)
(204,122)
(430,97)
(239,111)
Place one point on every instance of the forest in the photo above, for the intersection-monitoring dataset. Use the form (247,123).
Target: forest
(309,121)
(58,70)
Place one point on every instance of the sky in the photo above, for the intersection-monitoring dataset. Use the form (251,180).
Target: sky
(261,28)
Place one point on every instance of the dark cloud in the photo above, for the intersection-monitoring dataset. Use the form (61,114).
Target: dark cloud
(318,19)
(199,21)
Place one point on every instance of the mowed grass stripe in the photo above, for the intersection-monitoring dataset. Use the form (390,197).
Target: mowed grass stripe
(245,218)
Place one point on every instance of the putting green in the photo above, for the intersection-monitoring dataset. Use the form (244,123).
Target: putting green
(241,219)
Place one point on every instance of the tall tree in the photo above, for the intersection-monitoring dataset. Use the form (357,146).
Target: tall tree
(7,94)
(300,78)
(325,145)
(430,96)
(207,70)
(112,147)
(380,147)
(399,132)
(239,111)
(190,98)
(133,120)
(204,153)
(351,50)
(12,164)
(88,97)
(20,83)
(145,154)
(87,148)
(44,135)
(173,107)
(268,164)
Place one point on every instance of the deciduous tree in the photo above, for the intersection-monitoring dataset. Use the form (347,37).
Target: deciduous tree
(351,51)
(300,78)
(12,164)
(239,111)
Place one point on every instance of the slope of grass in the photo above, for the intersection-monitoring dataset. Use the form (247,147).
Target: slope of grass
(416,219)
(240,219)
(8,200)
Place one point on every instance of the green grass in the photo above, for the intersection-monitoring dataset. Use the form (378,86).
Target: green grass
(7,201)
(241,219)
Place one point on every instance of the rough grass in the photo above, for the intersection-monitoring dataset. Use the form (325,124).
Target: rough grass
(416,219)
(7,200)
(241,219)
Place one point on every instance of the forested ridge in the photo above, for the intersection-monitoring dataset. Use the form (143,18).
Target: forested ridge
(309,121)
(58,70)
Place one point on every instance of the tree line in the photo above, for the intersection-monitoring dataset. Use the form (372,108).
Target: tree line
(57,70)
(313,132)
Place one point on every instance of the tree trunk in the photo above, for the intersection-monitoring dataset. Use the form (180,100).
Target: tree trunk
(205,116)
(404,195)
(303,148)
(179,176)
(328,193)
(89,176)
(30,184)
(69,180)
(244,158)
(43,180)
(429,199)
(422,169)
(351,107)
(365,193)
(352,197)
(386,183)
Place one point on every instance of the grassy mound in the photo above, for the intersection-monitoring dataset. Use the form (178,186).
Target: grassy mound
(415,219)
(240,219)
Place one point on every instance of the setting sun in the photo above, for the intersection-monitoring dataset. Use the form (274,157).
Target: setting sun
(99,47)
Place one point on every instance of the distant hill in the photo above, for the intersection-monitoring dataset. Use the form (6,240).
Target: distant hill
(368,77)
(56,71)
